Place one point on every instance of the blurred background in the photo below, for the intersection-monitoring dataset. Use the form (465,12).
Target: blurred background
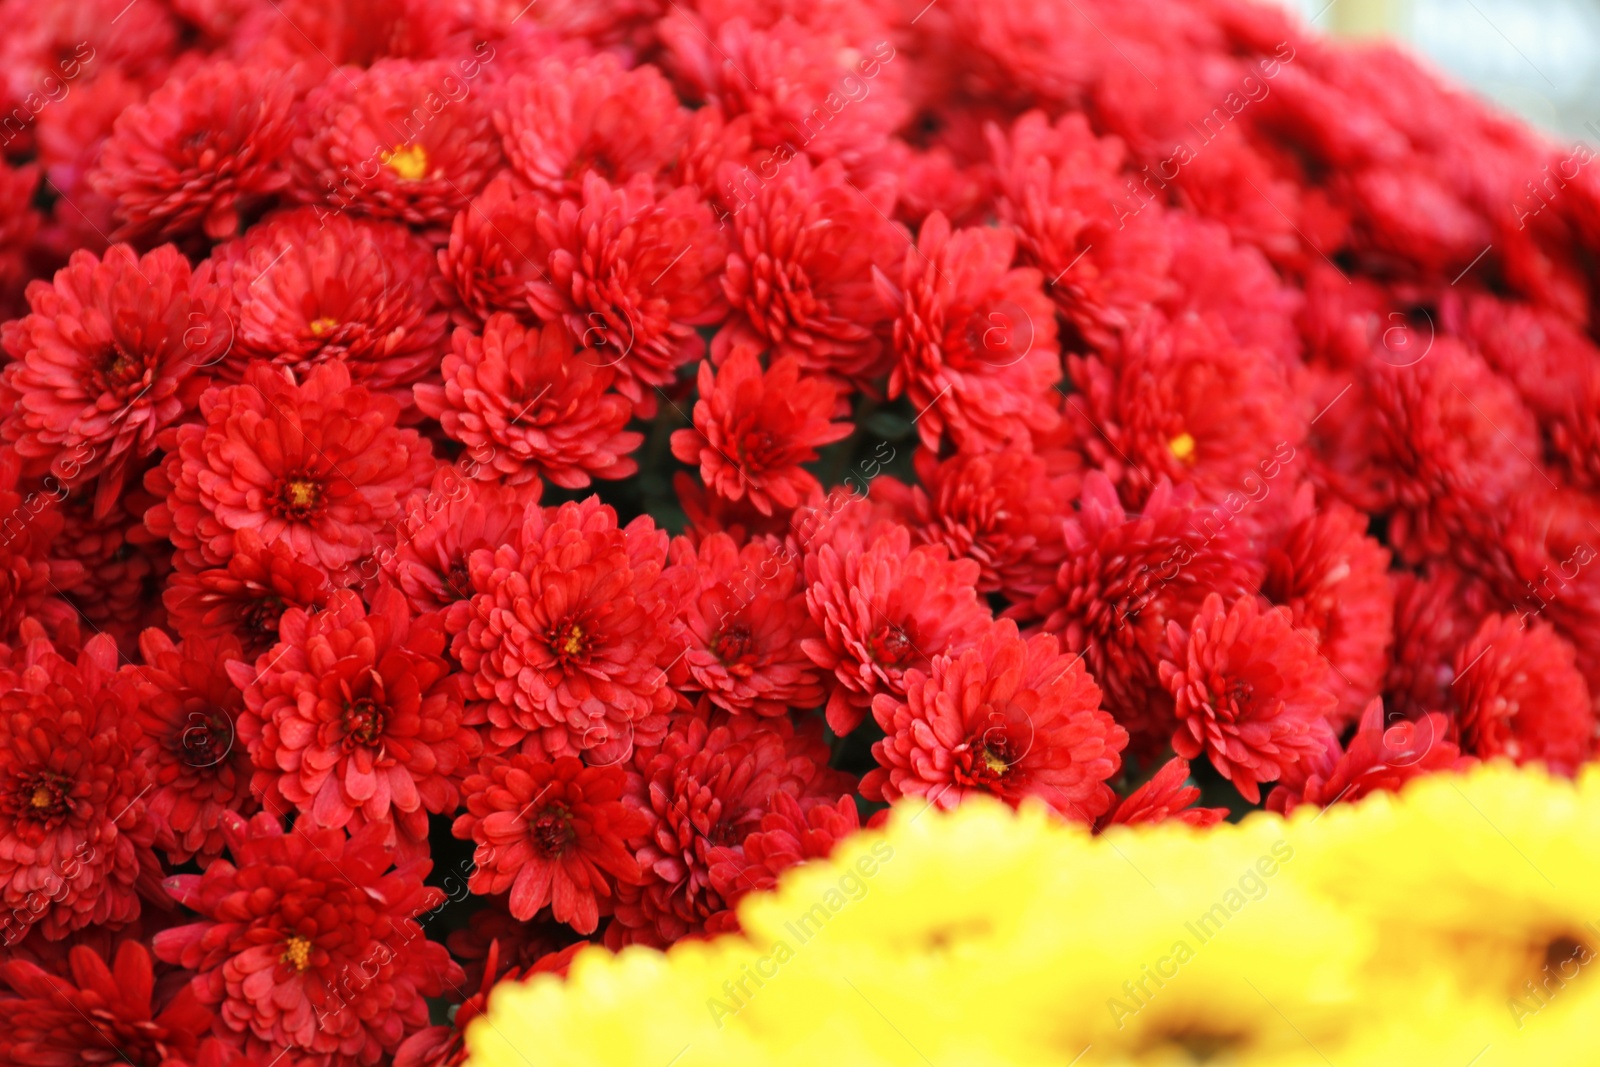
(1537,58)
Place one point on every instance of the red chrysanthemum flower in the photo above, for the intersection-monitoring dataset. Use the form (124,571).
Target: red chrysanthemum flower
(885,611)
(800,276)
(1435,614)
(1003,510)
(355,716)
(489,262)
(975,339)
(713,140)
(70,136)
(632,274)
(319,465)
(791,832)
(1060,186)
(1343,319)
(744,623)
(19,224)
(1181,402)
(709,513)
(931,179)
(203,150)
(845,518)
(72,813)
(1554,365)
(1125,577)
(122,571)
(1334,580)
(1519,694)
(70,41)
(446,1046)
(1216,184)
(307,288)
(551,833)
(571,631)
(1439,445)
(856,22)
(493,941)
(99,1014)
(527,403)
(1540,564)
(387,141)
(156,912)
(308,941)
(188,714)
(1381,757)
(1013,717)
(1575,433)
(707,786)
(1167,795)
(1223,278)
(1249,691)
(753,429)
(438,531)
(245,599)
(564,120)
(801,87)
(106,360)
(1549,358)
(361,32)
(31,582)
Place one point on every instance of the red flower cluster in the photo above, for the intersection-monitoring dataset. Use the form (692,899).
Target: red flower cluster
(595,457)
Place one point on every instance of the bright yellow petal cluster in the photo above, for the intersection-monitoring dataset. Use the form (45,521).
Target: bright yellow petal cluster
(1455,924)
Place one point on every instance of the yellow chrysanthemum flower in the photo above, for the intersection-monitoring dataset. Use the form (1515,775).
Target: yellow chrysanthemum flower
(1457,919)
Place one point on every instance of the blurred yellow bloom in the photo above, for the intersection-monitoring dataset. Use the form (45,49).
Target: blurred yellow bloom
(1457,923)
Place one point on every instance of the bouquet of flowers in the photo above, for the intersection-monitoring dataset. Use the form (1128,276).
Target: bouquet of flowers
(482,479)
(992,936)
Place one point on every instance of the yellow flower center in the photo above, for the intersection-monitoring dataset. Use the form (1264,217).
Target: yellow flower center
(301,493)
(1182,447)
(409,161)
(122,367)
(297,951)
(322,326)
(41,798)
(568,641)
(574,642)
(995,764)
